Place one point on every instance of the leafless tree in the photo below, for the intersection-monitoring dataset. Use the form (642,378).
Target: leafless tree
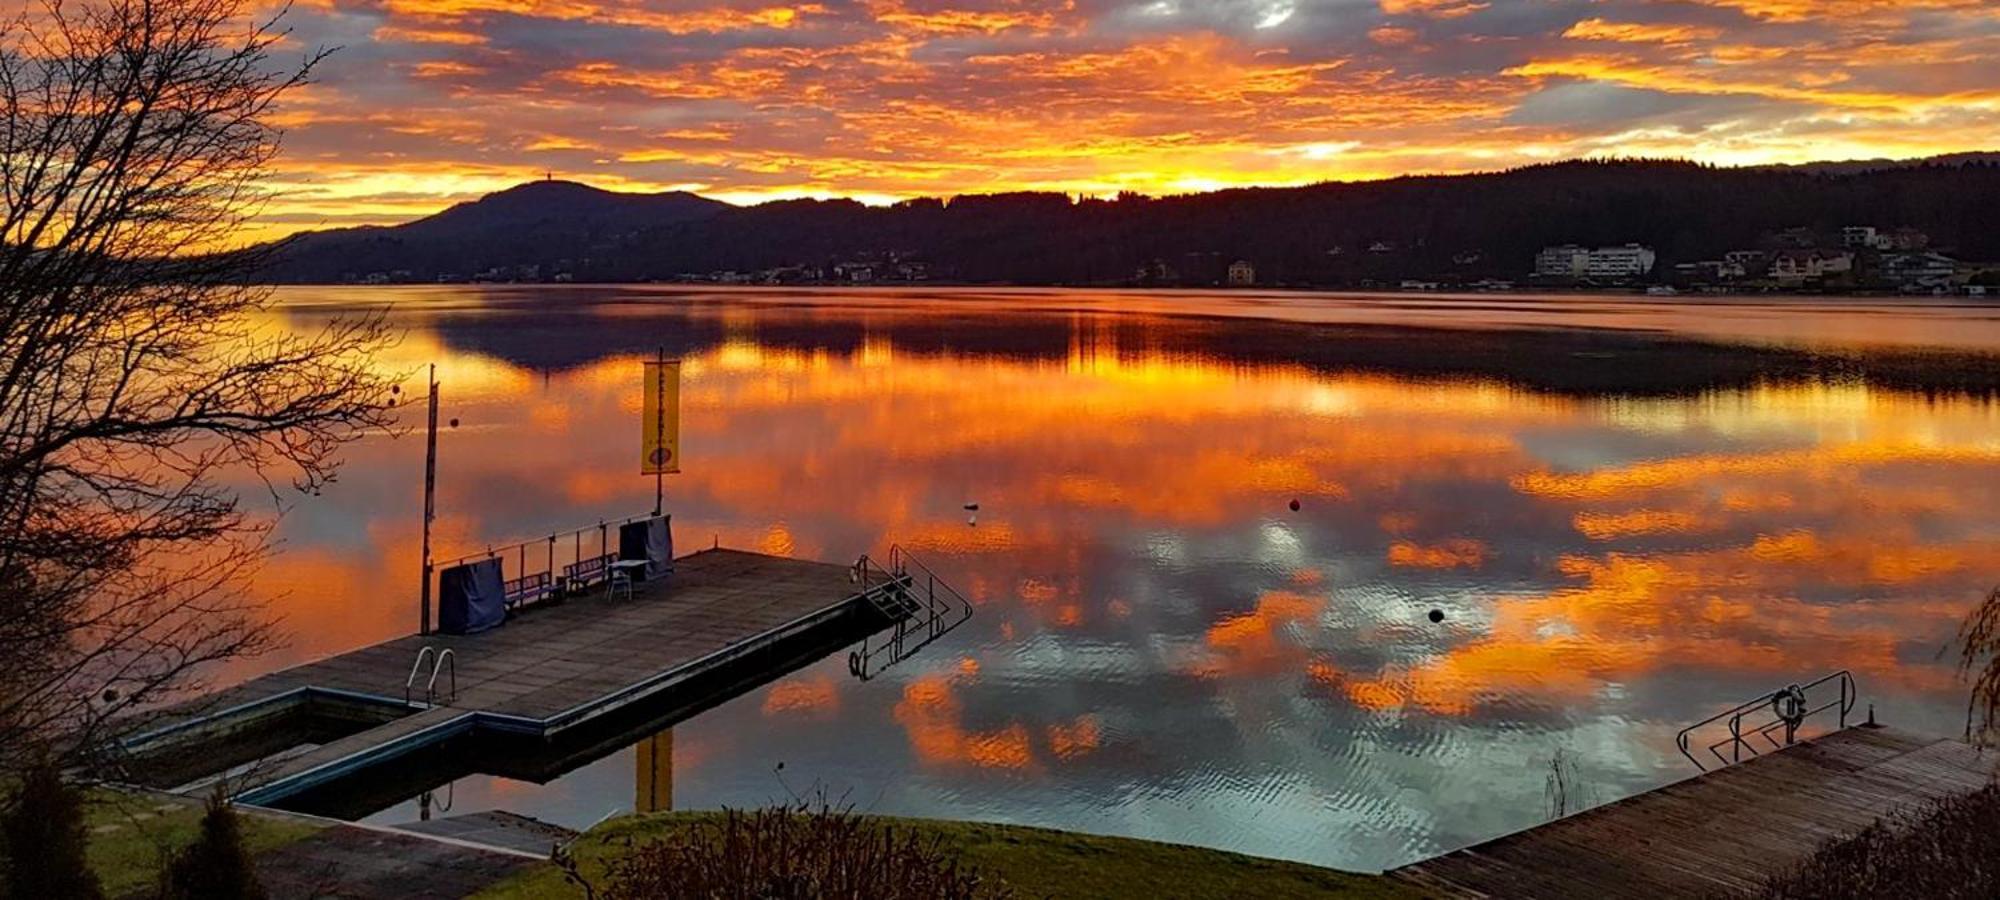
(1979,660)
(143,380)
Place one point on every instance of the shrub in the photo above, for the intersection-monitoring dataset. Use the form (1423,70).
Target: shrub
(1949,848)
(798,852)
(215,866)
(42,838)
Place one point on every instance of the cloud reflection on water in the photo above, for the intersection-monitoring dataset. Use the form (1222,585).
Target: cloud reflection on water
(1163,648)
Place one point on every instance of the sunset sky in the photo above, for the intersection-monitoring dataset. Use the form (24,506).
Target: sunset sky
(427,103)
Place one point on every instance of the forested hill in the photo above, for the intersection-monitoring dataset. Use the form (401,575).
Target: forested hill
(1466,226)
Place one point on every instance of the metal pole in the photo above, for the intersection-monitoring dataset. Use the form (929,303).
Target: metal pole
(430,501)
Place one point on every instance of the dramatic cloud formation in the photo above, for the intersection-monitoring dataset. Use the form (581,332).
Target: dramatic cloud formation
(431,102)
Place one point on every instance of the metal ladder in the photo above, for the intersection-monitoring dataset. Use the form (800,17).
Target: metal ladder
(441,661)
(1788,707)
(921,605)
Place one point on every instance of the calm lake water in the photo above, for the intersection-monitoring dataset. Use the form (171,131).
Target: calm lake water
(1631,511)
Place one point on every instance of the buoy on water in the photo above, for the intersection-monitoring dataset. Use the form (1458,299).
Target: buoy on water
(1295,504)
(971,507)
(1437,615)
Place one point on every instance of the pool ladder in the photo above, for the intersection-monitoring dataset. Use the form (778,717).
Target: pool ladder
(923,607)
(442,661)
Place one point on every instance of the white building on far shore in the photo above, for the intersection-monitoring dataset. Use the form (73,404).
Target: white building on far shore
(1626,261)
(1622,262)
(1565,261)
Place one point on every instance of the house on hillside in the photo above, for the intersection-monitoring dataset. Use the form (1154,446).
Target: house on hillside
(1745,263)
(1908,240)
(1864,237)
(1919,270)
(1801,266)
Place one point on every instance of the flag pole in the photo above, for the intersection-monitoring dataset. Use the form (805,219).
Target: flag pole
(430,501)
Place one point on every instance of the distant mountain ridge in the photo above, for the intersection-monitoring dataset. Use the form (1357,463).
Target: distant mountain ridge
(536,223)
(1856,166)
(1450,227)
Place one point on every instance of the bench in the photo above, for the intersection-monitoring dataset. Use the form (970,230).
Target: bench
(528,589)
(580,575)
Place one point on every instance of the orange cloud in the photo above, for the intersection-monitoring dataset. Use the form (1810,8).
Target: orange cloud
(389,33)
(946,21)
(929,712)
(1440,9)
(1611,526)
(1256,642)
(816,696)
(1632,33)
(1459,553)
(1392,36)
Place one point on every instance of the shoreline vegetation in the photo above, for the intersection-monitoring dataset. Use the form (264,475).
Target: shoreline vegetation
(132,832)
(1029,862)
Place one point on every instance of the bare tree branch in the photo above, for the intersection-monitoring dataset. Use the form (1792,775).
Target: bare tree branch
(140,375)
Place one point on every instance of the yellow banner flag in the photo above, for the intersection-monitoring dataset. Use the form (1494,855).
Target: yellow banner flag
(661,440)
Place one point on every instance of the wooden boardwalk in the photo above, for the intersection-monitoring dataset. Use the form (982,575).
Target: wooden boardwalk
(544,671)
(1721,833)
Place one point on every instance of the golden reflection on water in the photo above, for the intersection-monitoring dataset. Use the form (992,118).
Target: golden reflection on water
(1589,553)
(1188,443)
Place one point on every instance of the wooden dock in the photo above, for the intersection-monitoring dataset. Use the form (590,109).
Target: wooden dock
(1721,833)
(543,672)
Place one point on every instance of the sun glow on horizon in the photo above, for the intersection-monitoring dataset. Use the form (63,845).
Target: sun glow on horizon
(750,100)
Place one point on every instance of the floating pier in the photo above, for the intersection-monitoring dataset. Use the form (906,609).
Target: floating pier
(548,672)
(1717,834)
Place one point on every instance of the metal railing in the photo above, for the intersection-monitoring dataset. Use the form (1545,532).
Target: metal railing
(441,662)
(554,558)
(922,606)
(1788,708)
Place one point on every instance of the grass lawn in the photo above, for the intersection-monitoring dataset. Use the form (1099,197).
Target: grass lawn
(1036,862)
(131,832)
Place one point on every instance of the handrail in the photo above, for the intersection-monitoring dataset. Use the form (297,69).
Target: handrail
(552,553)
(925,610)
(902,561)
(441,660)
(1790,707)
(445,659)
(602,526)
(427,651)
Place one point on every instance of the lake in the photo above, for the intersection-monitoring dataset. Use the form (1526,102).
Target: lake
(1630,512)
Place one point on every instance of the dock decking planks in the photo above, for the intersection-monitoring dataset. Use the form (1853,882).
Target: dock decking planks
(554,665)
(1722,832)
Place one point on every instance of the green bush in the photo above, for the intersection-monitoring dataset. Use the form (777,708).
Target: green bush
(42,840)
(216,866)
